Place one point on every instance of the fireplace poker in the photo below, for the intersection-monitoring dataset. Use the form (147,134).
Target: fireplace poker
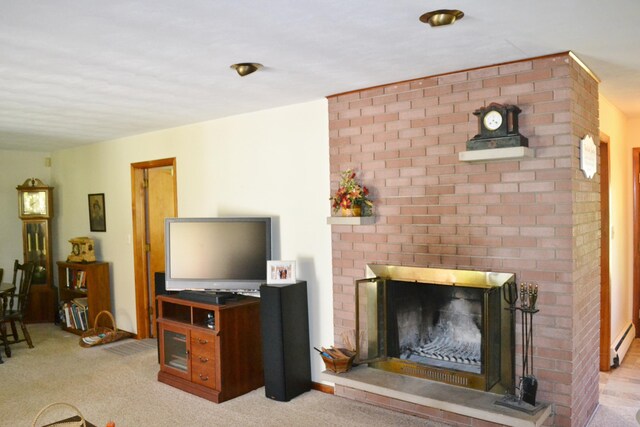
(523,328)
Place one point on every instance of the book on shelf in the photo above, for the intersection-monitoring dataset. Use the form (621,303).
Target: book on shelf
(81,302)
(81,279)
(75,315)
(76,279)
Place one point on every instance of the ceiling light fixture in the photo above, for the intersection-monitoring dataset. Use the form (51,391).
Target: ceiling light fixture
(441,17)
(246,68)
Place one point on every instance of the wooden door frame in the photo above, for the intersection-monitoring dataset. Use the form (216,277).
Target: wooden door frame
(605,280)
(140,265)
(635,315)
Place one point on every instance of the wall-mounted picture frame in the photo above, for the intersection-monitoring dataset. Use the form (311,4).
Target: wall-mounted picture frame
(97,219)
(281,272)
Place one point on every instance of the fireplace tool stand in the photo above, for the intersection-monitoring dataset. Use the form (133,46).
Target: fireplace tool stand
(525,399)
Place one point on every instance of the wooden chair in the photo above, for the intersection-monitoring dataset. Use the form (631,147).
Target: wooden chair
(15,305)
(2,338)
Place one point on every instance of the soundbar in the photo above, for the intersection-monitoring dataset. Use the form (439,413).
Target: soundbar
(207,297)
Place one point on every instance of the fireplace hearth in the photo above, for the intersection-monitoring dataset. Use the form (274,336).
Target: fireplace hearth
(443,325)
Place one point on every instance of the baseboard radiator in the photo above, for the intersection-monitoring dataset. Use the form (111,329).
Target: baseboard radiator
(621,345)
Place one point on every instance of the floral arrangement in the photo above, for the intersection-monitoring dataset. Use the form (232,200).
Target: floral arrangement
(350,194)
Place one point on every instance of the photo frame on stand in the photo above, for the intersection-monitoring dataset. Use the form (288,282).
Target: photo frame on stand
(281,272)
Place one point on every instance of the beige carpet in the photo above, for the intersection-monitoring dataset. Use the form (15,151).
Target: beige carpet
(119,383)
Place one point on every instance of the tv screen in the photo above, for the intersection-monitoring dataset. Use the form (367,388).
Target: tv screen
(226,254)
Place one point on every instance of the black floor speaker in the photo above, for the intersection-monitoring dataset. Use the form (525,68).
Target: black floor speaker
(284,320)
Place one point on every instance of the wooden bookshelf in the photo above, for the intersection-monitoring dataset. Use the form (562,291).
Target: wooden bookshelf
(84,280)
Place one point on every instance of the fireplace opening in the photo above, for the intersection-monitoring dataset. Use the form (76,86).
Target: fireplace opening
(445,325)
(435,325)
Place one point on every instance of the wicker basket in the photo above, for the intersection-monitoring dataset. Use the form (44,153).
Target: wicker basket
(101,334)
(67,423)
(338,365)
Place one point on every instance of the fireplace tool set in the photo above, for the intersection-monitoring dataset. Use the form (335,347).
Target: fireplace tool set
(525,400)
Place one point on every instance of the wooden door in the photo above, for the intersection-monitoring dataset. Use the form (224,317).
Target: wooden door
(605,282)
(161,205)
(150,204)
(635,314)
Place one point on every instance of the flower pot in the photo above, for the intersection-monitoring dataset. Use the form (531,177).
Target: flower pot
(354,211)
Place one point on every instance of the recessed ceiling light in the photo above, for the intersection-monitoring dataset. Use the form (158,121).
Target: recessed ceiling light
(441,17)
(246,68)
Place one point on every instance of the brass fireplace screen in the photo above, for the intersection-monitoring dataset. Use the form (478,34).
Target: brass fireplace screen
(450,326)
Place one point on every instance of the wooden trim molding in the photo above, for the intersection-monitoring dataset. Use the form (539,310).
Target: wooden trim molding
(635,315)
(605,281)
(141,268)
(323,388)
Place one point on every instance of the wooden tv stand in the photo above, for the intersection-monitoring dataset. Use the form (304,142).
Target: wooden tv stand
(216,360)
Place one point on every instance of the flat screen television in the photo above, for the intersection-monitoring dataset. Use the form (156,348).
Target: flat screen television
(217,254)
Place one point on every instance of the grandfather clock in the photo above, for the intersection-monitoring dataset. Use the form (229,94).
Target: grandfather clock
(35,209)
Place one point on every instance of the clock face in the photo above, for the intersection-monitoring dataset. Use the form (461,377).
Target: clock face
(34,203)
(492,120)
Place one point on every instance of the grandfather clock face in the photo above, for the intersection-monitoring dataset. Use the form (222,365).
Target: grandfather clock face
(34,199)
(34,203)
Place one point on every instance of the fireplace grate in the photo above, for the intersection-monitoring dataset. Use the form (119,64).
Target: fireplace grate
(443,348)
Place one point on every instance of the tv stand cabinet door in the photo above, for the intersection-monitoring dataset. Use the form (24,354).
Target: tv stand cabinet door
(174,354)
(204,359)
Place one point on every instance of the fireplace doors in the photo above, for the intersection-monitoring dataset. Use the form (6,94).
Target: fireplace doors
(441,327)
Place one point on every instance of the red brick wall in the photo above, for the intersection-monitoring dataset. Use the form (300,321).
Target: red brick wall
(537,217)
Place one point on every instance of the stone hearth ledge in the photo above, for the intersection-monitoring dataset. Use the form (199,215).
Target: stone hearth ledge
(457,400)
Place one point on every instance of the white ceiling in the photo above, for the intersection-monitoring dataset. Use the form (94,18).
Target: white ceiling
(80,71)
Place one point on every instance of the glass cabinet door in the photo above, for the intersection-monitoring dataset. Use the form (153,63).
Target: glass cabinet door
(175,355)
(36,249)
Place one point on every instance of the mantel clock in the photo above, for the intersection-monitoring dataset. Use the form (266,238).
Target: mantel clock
(35,209)
(497,128)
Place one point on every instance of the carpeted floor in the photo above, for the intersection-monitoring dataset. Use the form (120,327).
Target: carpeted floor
(118,382)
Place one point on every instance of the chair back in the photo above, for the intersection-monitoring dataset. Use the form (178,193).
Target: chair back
(22,276)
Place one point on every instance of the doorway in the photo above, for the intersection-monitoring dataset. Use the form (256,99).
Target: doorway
(605,282)
(154,198)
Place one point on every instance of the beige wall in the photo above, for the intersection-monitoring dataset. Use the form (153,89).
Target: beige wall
(274,162)
(617,127)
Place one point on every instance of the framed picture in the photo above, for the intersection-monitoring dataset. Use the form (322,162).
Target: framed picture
(281,272)
(97,220)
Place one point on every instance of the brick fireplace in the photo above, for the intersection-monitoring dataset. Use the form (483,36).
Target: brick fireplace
(537,217)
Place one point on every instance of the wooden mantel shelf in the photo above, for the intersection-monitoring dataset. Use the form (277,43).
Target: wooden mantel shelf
(507,153)
(351,220)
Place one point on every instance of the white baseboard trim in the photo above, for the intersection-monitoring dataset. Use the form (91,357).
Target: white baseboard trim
(621,345)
